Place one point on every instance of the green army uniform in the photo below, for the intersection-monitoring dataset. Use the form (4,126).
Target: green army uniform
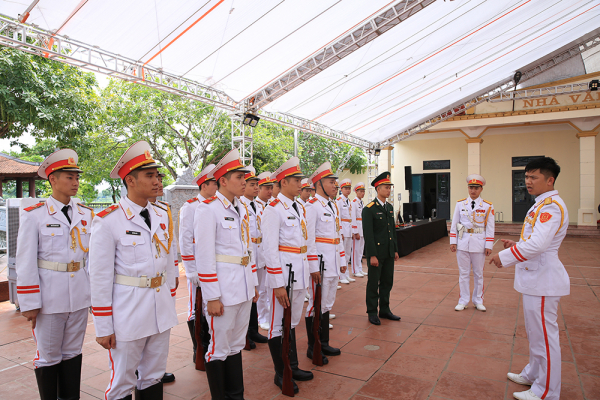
(379,231)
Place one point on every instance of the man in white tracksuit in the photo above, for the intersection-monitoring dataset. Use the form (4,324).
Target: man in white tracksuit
(541,278)
(472,238)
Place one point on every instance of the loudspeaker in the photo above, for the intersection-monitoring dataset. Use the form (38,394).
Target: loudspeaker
(408,178)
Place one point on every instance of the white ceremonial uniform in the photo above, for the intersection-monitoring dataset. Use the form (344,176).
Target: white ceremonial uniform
(123,253)
(225,235)
(285,242)
(187,249)
(300,201)
(255,237)
(170,238)
(543,280)
(263,303)
(358,245)
(472,232)
(324,239)
(345,207)
(46,243)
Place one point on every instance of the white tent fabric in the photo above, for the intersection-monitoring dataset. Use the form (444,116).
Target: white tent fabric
(447,52)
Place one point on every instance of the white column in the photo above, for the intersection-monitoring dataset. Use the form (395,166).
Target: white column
(586,214)
(474,155)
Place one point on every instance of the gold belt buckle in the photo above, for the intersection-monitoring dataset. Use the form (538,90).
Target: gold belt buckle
(302,249)
(73,266)
(155,282)
(245,260)
(336,241)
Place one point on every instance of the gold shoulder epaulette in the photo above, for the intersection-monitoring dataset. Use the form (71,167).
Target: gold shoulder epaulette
(210,200)
(164,203)
(192,200)
(107,211)
(313,200)
(489,202)
(547,200)
(370,204)
(84,206)
(38,205)
(156,205)
(461,200)
(274,202)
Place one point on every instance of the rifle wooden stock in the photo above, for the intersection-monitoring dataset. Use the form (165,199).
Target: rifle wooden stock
(287,387)
(317,358)
(198,331)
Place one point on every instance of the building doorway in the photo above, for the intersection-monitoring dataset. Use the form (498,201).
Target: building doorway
(429,192)
(522,200)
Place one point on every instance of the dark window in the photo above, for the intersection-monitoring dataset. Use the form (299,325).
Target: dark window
(436,164)
(523,161)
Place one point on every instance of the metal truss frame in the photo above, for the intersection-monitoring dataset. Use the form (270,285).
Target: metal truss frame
(495,92)
(541,92)
(340,48)
(241,138)
(372,173)
(345,160)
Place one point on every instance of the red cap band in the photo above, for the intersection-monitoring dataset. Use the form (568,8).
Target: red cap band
(68,163)
(235,164)
(134,163)
(475,182)
(322,175)
(288,172)
(385,181)
(359,187)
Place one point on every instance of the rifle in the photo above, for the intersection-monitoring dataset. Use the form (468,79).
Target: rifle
(317,358)
(287,387)
(198,331)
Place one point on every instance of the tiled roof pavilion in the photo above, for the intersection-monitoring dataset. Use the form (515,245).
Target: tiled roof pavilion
(12,168)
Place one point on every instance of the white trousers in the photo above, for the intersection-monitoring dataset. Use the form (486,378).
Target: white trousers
(191,301)
(348,253)
(276,316)
(358,247)
(328,292)
(262,305)
(544,366)
(59,337)
(466,261)
(146,355)
(228,332)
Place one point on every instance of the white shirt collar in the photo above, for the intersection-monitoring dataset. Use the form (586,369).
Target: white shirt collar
(135,208)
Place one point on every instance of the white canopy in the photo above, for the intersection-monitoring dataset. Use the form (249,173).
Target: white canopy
(447,52)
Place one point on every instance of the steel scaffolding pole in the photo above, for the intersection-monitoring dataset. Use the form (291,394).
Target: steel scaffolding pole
(241,138)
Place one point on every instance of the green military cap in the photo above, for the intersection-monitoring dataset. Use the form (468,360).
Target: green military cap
(382,179)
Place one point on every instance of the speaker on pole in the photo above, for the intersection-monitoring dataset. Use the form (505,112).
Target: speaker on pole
(408,178)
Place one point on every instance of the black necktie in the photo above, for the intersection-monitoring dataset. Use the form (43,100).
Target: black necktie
(473,204)
(237,210)
(65,211)
(253,206)
(296,208)
(146,215)
(330,206)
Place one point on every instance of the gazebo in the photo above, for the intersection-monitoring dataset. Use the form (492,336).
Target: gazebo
(12,168)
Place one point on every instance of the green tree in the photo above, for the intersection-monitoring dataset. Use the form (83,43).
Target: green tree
(46,98)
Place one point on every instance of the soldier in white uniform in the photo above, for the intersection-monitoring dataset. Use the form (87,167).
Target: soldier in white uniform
(541,278)
(345,207)
(227,279)
(358,240)
(324,238)
(53,287)
(304,195)
(250,193)
(208,188)
(132,275)
(265,192)
(472,238)
(285,236)
(276,189)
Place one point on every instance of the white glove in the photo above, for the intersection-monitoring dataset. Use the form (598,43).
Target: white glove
(195,281)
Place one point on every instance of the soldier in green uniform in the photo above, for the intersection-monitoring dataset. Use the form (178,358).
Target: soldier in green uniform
(381,248)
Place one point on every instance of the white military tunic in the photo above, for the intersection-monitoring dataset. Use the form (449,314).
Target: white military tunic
(472,232)
(225,232)
(323,224)
(186,247)
(358,245)
(140,317)
(542,279)
(285,242)
(62,297)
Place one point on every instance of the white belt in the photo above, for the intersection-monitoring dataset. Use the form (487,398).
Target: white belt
(232,259)
(62,267)
(142,281)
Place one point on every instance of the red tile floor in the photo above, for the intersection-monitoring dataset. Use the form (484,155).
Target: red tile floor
(433,353)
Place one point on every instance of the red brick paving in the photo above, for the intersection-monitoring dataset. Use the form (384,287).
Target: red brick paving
(434,353)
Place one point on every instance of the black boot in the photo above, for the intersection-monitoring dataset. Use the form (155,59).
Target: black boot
(297,373)
(215,373)
(311,339)
(69,378)
(47,381)
(327,349)
(253,334)
(235,377)
(130,397)
(154,392)
(192,328)
(275,348)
